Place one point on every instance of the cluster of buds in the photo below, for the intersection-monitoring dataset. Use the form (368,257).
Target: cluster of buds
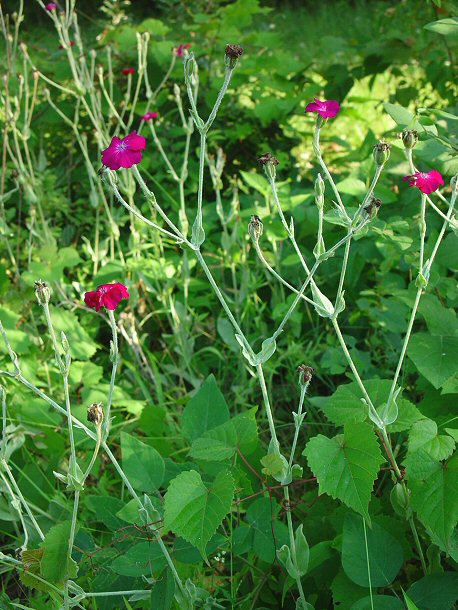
(95,414)
(409,137)
(255,228)
(233,52)
(269,163)
(373,206)
(381,153)
(42,292)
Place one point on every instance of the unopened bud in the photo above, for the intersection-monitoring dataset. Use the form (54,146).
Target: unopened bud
(233,52)
(255,228)
(42,292)
(373,207)
(381,153)
(269,163)
(409,138)
(319,191)
(95,414)
(454,182)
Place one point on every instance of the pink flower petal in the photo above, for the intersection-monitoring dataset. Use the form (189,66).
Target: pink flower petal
(426,182)
(135,142)
(92,299)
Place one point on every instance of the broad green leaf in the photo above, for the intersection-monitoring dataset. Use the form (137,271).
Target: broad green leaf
(400,115)
(140,559)
(434,356)
(439,319)
(31,562)
(434,493)
(55,564)
(347,465)
(257,182)
(142,464)
(220,443)
(205,410)
(82,346)
(424,435)
(268,532)
(194,511)
(445,27)
(352,186)
(163,591)
(379,602)
(435,591)
(385,553)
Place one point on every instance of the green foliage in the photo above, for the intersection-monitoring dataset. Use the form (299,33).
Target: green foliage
(142,464)
(189,429)
(384,552)
(347,465)
(195,511)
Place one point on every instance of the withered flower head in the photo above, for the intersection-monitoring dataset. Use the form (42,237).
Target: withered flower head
(95,413)
(255,228)
(409,138)
(42,292)
(373,206)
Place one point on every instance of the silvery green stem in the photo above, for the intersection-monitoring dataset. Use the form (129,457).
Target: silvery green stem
(222,300)
(265,396)
(114,355)
(418,297)
(21,497)
(219,99)
(290,233)
(317,150)
(50,401)
(64,373)
(162,151)
(422,231)
(152,198)
(139,215)
(4,439)
(355,372)
(153,529)
(71,540)
(292,544)
(297,427)
(14,503)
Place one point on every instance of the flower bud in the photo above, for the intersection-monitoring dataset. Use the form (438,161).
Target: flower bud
(381,153)
(269,163)
(454,182)
(42,292)
(373,207)
(233,52)
(95,414)
(255,228)
(409,138)
(319,191)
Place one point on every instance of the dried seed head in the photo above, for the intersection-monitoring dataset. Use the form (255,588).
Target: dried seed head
(42,292)
(305,376)
(381,153)
(373,206)
(409,138)
(95,414)
(233,52)
(255,228)
(269,163)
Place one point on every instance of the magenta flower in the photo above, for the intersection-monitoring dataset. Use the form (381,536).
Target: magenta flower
(181,49)
(124,152)
(106,295)
(427,182)
(149,116)
(128,70)
(51,6)
(327,110)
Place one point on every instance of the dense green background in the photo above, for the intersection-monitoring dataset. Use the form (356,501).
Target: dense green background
(389,72)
